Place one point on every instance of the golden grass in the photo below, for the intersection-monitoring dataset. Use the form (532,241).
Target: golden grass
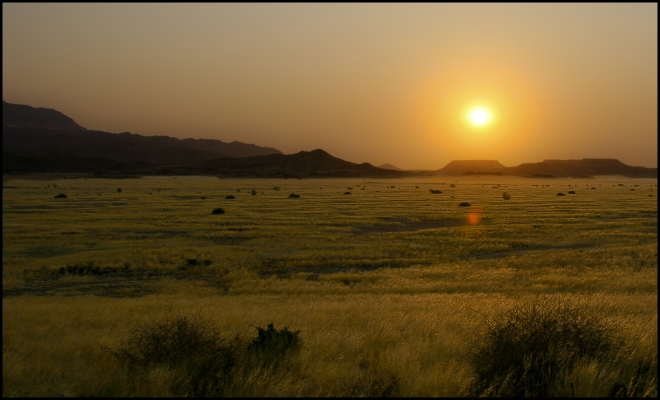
(368,306)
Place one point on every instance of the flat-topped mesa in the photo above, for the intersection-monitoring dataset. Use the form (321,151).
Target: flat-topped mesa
(587,167)
(587,161)
(459,167)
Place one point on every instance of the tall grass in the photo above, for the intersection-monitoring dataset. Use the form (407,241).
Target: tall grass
(389,312)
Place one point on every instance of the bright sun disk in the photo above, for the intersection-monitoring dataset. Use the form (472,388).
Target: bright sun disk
(479,116)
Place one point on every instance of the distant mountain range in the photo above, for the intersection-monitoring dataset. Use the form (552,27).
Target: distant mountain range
(41,130)
(41,140)
(585,168)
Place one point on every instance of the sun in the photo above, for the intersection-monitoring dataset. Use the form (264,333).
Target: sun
(479,116)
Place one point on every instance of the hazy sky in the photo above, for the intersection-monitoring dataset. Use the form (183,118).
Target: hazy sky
(366,82)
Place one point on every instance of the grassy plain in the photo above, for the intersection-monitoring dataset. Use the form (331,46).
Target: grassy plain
(387,281)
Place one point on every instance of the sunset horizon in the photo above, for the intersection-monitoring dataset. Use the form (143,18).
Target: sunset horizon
(402,84)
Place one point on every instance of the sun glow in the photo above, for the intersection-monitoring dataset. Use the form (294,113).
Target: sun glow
(479,116)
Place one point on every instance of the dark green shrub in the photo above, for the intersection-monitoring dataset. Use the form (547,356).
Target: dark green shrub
(464,204)
(452,185)
(230,197)
(347,192)
(560,194)
(435,191)
(506,196)
(522,351)
(571,192)
(218,211)
(253,192)
(61,196)
(294,196)
(118,190)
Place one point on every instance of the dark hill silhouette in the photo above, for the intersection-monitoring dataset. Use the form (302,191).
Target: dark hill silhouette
(37,130)
(390,166)
(587,167)
(305,164)
(14,115)
(580,168)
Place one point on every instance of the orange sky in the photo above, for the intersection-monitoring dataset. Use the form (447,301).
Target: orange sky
(367,83)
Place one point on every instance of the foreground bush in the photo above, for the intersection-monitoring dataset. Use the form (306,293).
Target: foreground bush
(524,351)
(218,211)
(200,360)
(189,345)
(272,345)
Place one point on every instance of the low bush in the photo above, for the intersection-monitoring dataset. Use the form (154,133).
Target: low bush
(61,196)
(253,192)
(523,351)
(506,196)
(230,197)
(191,346)
(118,190)
(347,192)
(218,211)
(294,196)
(203,362)
(435,191)
(560,194)
(464,204)
(272,345)
(571,192)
